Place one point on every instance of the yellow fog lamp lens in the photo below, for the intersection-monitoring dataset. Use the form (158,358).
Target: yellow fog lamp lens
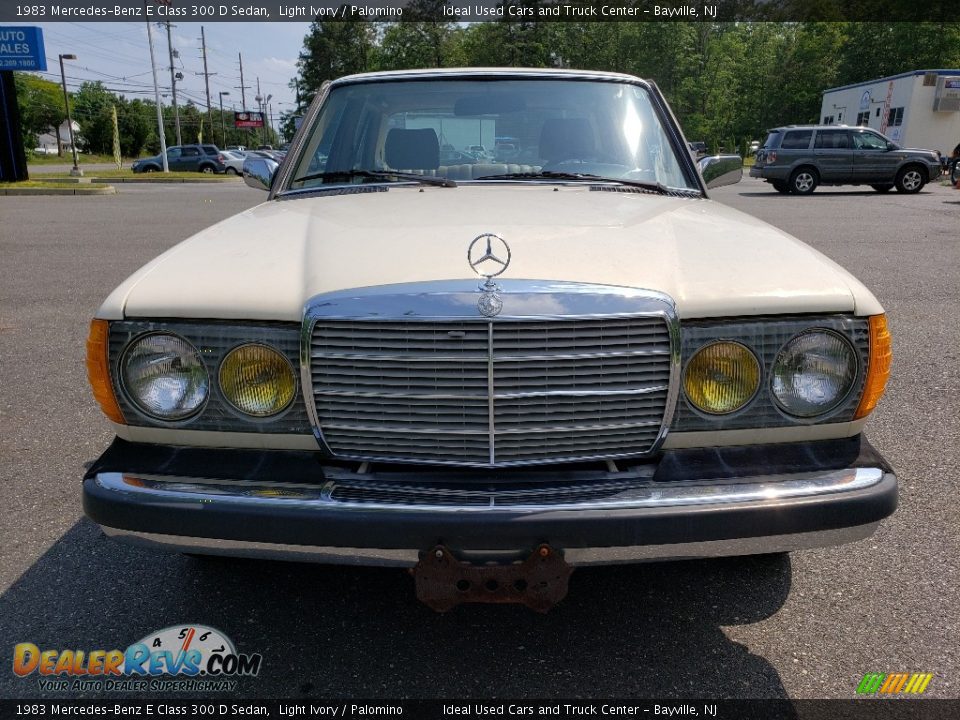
(257,380)
(721,377)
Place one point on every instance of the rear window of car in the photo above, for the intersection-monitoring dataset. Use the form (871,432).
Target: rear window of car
(773,140)
(796,140)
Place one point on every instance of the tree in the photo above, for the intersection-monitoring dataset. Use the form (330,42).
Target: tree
(872,50)
(41,108)
(511,43)
(91,110)
(332,49)
(419,41)
(134,125)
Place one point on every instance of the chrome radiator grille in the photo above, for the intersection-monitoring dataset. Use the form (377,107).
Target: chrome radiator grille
(482,393)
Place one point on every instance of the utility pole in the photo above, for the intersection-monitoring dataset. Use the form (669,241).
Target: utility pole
(173,87)
(206,79)
(259,99)
(75,171)
(242,88)
(243,93)
(156,93)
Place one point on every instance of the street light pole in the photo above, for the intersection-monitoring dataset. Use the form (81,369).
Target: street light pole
(223,131)
(75,171)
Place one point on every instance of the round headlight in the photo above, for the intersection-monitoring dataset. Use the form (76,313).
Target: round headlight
(721,377)
(257,380)
(813,373)
(164,376)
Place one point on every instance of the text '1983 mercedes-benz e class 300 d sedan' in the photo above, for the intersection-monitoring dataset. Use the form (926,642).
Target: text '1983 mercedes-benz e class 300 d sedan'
(490,372)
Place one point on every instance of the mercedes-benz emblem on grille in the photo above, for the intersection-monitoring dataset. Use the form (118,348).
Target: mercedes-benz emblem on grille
(489,255)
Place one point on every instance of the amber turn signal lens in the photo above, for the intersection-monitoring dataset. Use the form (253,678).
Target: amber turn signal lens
(721,377)
(98,370)
(878,366)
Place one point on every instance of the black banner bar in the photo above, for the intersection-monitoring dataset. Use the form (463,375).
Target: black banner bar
(34,11)
(353,709)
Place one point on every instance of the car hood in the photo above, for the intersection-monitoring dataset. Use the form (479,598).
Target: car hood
(264,264)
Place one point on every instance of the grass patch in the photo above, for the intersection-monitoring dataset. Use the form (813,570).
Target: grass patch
(50,185)
(154,177)
(82,159)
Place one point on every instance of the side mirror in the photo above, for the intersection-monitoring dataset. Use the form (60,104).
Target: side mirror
(720,170)
(258,172)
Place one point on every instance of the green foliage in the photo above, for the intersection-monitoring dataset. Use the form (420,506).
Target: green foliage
(133,120)
(41,106)
(91,109)
(332,49)
(727,82)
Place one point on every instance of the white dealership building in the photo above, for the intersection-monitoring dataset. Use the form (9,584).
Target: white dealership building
(920,108)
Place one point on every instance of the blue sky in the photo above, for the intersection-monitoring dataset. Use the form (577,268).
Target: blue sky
(118,55)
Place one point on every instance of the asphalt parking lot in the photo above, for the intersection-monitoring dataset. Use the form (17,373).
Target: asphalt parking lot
(804,626)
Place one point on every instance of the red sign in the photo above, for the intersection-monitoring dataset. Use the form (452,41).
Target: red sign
(248,119)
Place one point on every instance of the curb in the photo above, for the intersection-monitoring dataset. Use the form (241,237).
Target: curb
(200,181)
(102,190)
(61,179)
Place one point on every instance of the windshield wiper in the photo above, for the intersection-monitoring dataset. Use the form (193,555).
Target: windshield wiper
(377,175)
(555,175)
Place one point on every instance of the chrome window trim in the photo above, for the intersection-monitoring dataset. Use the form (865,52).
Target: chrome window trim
(285,172)
(671,126)
(455,300)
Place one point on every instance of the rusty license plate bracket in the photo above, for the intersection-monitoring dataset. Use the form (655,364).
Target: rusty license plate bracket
(443,581)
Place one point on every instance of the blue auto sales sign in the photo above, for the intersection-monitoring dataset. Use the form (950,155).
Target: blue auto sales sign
(21,48)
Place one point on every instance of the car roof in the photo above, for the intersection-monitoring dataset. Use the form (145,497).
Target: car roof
(818,127)
(488,72)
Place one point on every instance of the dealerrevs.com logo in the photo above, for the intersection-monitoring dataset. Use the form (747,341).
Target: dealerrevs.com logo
(178,658)
(894,683)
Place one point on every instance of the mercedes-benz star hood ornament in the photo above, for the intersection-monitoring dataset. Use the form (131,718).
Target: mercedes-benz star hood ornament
(489,256)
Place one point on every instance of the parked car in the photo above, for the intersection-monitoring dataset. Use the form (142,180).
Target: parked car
(275,155)
(233,160)
(489,373)
(455,157)
(480,153)
(798,158)
(184,158)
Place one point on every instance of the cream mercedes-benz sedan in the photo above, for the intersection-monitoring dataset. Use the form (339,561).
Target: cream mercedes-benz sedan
(489,372)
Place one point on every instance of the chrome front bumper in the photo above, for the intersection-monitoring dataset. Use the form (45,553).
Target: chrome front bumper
(617,517)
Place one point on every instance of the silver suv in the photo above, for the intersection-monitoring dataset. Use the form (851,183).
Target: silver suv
(797,158)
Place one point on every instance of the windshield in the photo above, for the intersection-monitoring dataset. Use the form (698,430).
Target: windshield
(489,131)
